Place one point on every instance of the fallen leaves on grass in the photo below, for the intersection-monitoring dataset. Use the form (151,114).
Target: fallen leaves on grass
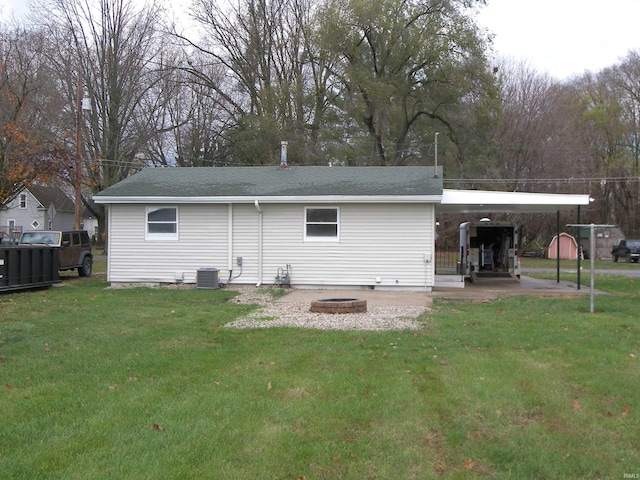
(469,464)
(158,428)
(626,410)
(576,405)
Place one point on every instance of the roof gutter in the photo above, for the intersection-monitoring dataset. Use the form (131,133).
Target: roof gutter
(150,199)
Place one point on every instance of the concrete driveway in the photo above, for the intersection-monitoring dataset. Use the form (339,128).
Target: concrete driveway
(483,289)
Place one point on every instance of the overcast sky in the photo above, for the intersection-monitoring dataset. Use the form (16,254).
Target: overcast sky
(564,37)
(9,6)
(559,37)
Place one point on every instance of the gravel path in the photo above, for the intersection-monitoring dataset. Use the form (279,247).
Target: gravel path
(273,314)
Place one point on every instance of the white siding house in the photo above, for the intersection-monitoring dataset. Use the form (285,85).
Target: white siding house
(364,227)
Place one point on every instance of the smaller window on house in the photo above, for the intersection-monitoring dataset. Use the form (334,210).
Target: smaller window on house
(321,224)
(35,224)
(162,223)
(23,200)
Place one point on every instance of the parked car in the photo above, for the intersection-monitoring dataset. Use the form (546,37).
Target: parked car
(75,247)
(627,249)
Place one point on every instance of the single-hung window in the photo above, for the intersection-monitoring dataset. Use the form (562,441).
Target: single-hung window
(321,223)
(23,200)
(162,223)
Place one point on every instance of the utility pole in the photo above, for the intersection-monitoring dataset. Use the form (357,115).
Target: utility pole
(78,166)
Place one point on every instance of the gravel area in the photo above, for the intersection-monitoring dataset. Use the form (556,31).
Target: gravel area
(274,314)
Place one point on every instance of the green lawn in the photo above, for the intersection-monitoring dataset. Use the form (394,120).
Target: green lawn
(148,384)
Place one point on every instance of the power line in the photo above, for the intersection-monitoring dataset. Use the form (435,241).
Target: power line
(568,180)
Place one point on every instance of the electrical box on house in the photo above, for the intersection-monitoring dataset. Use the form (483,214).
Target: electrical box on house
(489,249)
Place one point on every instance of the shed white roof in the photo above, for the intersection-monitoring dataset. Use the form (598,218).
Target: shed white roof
(484,201)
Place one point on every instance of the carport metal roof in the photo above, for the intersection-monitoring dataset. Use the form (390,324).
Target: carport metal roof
(484,201)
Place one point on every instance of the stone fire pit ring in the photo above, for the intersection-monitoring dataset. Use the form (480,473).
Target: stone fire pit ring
(339,305)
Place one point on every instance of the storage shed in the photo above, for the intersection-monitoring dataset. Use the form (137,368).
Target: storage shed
(568,247)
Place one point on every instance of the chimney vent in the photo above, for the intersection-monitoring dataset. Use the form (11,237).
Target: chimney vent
(283,154)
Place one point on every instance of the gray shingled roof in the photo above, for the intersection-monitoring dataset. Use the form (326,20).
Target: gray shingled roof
(256,182)
(52,195)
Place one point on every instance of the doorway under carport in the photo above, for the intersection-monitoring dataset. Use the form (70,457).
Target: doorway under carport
(478,203)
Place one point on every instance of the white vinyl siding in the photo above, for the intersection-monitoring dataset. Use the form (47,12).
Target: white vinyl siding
(245,241)
(379,246)
(202,244)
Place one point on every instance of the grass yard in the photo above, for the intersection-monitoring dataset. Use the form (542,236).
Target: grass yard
(148,384)
(599,264)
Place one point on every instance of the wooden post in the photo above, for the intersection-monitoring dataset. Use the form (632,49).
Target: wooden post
(78,166)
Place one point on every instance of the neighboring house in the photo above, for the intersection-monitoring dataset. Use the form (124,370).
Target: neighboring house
(568,247)
(606,239)
(363,227)
(38,208)
(90,221)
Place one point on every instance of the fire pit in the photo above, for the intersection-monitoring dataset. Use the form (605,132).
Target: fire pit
(339,305)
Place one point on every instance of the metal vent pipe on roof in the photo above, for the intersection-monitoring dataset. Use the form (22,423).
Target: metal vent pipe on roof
(283,154)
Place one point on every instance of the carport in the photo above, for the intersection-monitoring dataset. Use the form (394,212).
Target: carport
(485,202)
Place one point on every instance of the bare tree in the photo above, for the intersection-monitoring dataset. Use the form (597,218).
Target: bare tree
(535,131)
(610,129)
(268,75)
(111,47)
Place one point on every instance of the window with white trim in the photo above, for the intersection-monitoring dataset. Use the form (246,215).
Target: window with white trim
(162,223)
(23,200)
(322,223)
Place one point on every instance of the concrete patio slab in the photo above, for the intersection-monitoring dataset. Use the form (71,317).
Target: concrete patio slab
(483,289)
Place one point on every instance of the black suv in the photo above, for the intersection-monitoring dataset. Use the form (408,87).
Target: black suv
(75,247)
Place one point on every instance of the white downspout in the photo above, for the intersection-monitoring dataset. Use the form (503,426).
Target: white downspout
(230,238)
(257,205)
(108,207)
